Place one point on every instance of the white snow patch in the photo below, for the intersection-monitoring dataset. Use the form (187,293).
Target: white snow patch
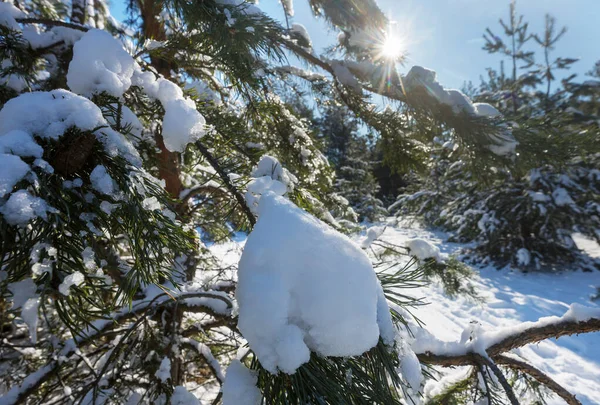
(164,371)
(562,197)
(523,257)
(240,386)
(301,30)
(423,249)
(181,396)
(20,143)
(12,170)
(182,123)
(101,180)
(289,294)
(22,207)
(100,63)
(73,279)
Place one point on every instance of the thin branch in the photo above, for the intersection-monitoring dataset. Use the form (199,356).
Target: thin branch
(52,23)
(227,181)
(498,373)
(539,376)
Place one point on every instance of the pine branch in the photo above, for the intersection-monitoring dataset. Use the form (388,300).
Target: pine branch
(18,394)
(232,189)
(539,376)
(52,23)
(539,333)
(519,339)
(535,333)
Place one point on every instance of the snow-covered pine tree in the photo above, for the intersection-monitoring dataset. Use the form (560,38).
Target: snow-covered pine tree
(124,149)
(352,156)
(522,210)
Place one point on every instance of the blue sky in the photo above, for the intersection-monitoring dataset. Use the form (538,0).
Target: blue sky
(446,35)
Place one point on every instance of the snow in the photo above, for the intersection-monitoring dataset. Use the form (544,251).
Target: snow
(288,6)
(20,143)
(269,176)
(581,313)
(100,63)
(561,197)
(128,119)
(8,14)
(301,31)
(22,207)
(270,166)
(181,396)
(29,313)
(164,371)
(50,114)
(486,110)
(423,249)
(182,123)
(510,298)
(22,291)
(373,233)
(503,143)
(344,75)
(240,386)
(12,170)
(74,279)
(101,180)
(422,78)
(523,257)
(290,299)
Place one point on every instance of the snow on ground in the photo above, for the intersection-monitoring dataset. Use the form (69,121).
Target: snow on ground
(509,298)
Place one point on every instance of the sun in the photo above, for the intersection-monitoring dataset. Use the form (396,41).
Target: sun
(392,47)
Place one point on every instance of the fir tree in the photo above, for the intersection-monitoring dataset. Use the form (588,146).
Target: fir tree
(124,148)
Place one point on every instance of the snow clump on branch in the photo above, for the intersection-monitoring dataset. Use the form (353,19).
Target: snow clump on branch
(292,299)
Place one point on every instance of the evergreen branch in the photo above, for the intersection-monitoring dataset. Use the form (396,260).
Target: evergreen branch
(205,352)
(232,189)
(18,394)
(539,376)
(52,23)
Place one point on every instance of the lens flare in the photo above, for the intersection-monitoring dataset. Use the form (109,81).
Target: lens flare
(392,47)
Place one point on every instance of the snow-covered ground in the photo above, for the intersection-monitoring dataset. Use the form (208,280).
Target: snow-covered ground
(509,298)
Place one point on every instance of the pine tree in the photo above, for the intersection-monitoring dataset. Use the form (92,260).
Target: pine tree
(524,210)
(124,148)
(351,155)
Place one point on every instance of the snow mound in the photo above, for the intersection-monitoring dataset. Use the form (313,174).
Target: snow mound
(301,31)
(503,142)
(12,170)
(100,63)
(269,176)
(240,386)
(372,234)
(182,123)
(181,396)
(423,250)
(22,207)
(49,114)
(20,143)
(305,287)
